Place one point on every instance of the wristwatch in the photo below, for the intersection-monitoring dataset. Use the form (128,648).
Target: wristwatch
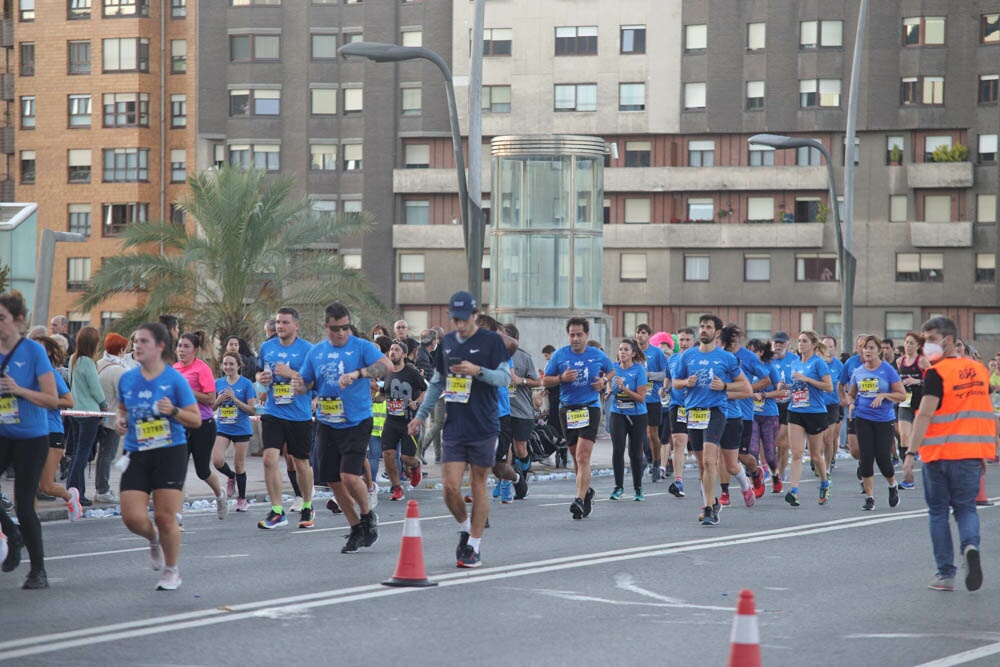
(910,452)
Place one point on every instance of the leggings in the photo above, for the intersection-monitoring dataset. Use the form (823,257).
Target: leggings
(28,457)
(875,444)
(634,428)
(200,443)
(764,437)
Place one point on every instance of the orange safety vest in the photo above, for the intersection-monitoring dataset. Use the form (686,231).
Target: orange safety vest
(963,427)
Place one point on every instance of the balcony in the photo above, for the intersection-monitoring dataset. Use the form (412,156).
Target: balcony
(432,181)
(6,190)
(688,179)
(939,175)
(714,236)
(941,234)
(7,87)
(6,33)
(6,141)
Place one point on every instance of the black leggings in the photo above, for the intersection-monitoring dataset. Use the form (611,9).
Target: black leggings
(632,427)
(28,457)
(200,443)
(875,441)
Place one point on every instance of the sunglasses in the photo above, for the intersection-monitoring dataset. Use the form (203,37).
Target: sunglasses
(338,327)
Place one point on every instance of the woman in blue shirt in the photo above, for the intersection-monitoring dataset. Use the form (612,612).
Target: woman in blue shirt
(628,416)
(875,386)
(807,413)
(235,401)
(155,405)
(765,408)
(57,440)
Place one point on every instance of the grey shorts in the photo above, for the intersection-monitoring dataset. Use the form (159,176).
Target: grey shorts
(480,453)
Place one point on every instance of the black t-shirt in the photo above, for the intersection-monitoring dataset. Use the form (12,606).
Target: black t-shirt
(401,387)
(933,384)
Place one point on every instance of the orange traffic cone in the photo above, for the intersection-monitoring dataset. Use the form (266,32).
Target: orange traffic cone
(982,499)
(410,566)
(744,649)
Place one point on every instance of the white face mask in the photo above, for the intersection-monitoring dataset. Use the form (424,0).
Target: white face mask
(933,351)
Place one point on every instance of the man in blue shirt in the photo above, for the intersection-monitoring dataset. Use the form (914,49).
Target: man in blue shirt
(472,363)
(656,372)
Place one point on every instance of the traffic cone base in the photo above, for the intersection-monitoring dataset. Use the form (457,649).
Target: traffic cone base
(744,649)
(410,571)
(982,499)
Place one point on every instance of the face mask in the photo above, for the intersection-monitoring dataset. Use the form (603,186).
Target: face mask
(933,351)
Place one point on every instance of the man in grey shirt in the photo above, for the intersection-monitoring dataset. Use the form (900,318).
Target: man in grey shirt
(522,408)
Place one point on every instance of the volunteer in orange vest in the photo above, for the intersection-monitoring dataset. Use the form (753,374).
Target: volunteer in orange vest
(954,431)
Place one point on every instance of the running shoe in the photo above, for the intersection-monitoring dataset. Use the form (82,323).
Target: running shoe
(496,491)
(668,470)
(416,474)
(6,504)
(617,493)
(521,486)
(776,484)
(588,502)
(824,493)
(13,557)
(273,520)
(638,496)
(869,505)
(710,517)
(108,497)
(506,492)
(893,496)
(3,546)
(373,496)
(939,583)
(576,508)
(156,555)
(655,472)
(221,506)
(973,568)
(468,497)
(724,499)
(242,505)
(37,579)
(463,541)
(758,483)
(469,558)
(677,488)
(749,498)
(306,518)
(296,505)
(369,529)
(332,505)
(73,506)
(170,580)
(907,486)
(792,499)
(354,540)
(231,487)
(396,494)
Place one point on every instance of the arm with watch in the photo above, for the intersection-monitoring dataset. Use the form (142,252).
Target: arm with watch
(187,416)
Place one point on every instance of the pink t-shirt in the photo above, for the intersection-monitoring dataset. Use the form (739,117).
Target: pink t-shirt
(200,377)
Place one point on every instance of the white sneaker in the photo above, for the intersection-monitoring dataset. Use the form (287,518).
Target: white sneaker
(222,506)
(156,554)
(180,521)
(296,505)
(108,497)
(73,507)
(170,580)
(373,497)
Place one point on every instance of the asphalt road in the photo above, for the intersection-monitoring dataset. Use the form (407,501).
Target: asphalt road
(633,582)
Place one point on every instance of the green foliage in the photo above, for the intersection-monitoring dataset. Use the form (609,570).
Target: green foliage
(895,154)
(4,277)
(822,211)
(957,153)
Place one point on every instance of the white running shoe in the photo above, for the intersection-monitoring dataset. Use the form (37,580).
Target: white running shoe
(170,580)
(73,506)
(108,497)
(3,546)
(222,506)
(296,505)
(373,497)
(180,521)
(156,554)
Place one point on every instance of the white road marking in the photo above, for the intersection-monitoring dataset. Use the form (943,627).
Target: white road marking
(624,499)
(964,657)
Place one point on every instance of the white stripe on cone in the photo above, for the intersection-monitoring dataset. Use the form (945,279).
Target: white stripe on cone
(745,630)
(411,528)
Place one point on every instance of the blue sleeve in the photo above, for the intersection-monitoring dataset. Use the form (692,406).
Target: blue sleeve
(844,377)
(61,386)
(552,367)
(681,373)
(893,375)
(822,368)
(642,376)
(735,371)
(306,369)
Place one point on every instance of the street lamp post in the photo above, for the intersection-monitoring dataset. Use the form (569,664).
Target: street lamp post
(471,215)
(848,263)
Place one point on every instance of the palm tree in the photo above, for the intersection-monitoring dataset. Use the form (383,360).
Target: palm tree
(255,247)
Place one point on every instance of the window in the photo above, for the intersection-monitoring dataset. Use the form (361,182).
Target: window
(178,165)
(178,56)
(696,37)
(756,36)
(267,157)
(631,319)
(696,268)
(352,37)
(694,96)
(411,268)
(412,101)
(806,156)
(759,325)
(497,41)
(989,29)
(897,325)
(79,219)
(79,165)
(352,260)
(897,208)
(28,117)
(178,9)
(324,207)
(815,34)
(988,88)
(986,208)
(986,267)
(637,211)
(116,216)
(934,142)
(27,10)
(637,153)
(496,99)
(633,267)
(631,97)
(79,57)
(756,268)
(576,97)
(323,101)
(806,209)
(933,89)
(701,153)
(761,156)
(576,40)
(178,111)
(126,110)
(926,267)
(77,273)
(353,154)
(126,8)
(323,157)
(218,155)
(986,325)
(755,95)
(815,93)
(352,206)
(816,267)
(324,47)
(254,102)
(178,216)
(79,110)
(251,48)
(245,3)
(27,59)
(412,38)
(126,55)
(987,148)
(921,90)
(923,30)
(418,212)
(632,39)
(126,165)
(891,143)
(28,167)
(78,10)
(353,100)
(417,156)
(760,209)
(700,209)
(937,208)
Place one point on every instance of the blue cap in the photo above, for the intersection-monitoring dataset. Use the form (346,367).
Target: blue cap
(780,337)
(461,306)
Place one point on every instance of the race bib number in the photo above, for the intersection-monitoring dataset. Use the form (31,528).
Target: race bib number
(395,407)
(152,434)
(909,399)
(578,418)
(227,414)
(758,404)
(649,386)
(800,398)
(697,418)
(511,389)
(624,402)
(331,410)
(8,410)
(682,415)
(868,386)
(283,394)
(457,388)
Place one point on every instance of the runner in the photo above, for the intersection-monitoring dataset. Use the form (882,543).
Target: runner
(235,402)
(834,413)
(764,437)
(337,368)
(47,484)
(843,383)
(403,390)
(678,413)
(524,378)
(581,372)
(109,371)
(156,408)
(628,418)
(782,362)
(760,380)
(87,397)
(911,366)
(656,372)
(510,482)
(810,377)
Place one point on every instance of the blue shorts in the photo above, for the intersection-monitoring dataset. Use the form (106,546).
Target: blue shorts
(697,437)
(480,453)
